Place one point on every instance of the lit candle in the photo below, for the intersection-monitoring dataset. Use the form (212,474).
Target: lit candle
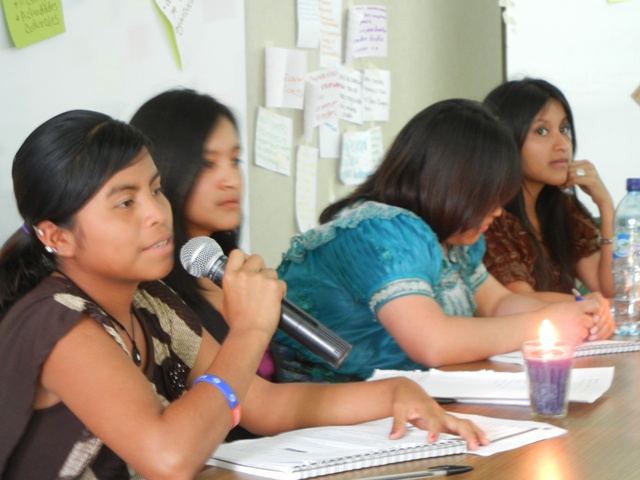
(548,363)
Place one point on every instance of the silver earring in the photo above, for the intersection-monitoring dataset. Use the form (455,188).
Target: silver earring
(51,250)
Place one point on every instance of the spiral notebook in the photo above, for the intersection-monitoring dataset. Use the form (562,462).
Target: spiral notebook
(599,347)
(312,452)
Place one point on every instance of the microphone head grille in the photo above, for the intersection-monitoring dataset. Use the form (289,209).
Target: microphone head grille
(198,253)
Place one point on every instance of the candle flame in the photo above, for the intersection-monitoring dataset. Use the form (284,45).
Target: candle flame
(547,335)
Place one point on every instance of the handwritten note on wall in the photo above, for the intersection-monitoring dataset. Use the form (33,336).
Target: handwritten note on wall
(33,21)
(321,99)
(285,71)
(350,95)
(376,95)
(306,172)
(330,33)
(366,32)
(377,147)
(185,27)
(361,154)
(274,136)
(308,13)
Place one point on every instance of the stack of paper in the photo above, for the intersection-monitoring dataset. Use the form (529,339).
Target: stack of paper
(503,388)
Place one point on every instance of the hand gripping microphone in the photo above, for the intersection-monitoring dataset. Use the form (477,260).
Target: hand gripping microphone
(203,257)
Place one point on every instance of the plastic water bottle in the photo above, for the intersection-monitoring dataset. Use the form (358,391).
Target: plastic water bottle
(626,261)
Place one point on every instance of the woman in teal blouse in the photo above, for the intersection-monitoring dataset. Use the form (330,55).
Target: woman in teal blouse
(396,267)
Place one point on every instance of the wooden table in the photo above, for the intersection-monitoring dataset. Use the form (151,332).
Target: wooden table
(603,439)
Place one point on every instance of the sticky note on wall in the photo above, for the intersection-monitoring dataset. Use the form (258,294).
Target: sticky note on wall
(31,21)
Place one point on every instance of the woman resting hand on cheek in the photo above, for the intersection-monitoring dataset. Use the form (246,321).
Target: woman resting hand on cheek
(546,240)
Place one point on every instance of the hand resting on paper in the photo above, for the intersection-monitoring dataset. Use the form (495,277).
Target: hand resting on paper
(410,405)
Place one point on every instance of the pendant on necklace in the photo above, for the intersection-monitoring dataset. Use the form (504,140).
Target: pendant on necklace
(135,354)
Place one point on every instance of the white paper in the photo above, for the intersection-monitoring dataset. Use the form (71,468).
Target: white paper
(186,27)
(356,161)
(308,23)
(350,95)
(329,139)
(376,95)
(274,136)
(285,72)
(366,32)
(306,180)
(509,434)
(280,456)
(377,146)
(321,99)
(501,388)
(330,33)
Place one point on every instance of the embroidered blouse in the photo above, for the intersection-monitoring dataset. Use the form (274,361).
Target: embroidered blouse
(344,271)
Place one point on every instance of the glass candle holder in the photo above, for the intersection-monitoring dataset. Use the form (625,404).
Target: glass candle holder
(548,374)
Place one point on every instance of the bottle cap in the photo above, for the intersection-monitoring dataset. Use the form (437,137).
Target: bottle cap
(633,184)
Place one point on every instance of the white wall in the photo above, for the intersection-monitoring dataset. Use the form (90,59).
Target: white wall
(113,56)
(590,49)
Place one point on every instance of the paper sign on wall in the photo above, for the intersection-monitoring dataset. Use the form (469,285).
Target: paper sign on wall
(361,154)
(351,95)
(308,23)
(330,33)
(329,139)
(285,71)
(321,99)
(274,136)
(366,32)
(34,21)
(306,174)
(376,95)
(377,147)
(186,28)
(356,157)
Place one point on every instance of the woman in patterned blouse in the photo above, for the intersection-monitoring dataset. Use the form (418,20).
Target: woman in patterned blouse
(546,239)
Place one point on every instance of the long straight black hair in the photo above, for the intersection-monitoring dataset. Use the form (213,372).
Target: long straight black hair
(517,103)
(58,168)
(451,165)
(178,122)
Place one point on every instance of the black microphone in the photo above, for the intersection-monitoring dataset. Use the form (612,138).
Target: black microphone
(203,257)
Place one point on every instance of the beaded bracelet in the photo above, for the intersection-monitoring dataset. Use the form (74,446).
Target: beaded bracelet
(606,241)
(232,400)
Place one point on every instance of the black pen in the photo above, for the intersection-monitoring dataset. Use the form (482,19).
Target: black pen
(445,400)
(439,471)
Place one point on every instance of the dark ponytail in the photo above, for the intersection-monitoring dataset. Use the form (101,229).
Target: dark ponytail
(58,168)
(23,263)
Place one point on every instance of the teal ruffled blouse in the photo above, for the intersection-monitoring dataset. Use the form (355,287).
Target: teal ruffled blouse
(344,271)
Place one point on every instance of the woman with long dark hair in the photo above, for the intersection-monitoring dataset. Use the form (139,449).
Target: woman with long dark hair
(546,239)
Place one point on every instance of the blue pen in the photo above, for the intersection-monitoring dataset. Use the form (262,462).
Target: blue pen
(576,294)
